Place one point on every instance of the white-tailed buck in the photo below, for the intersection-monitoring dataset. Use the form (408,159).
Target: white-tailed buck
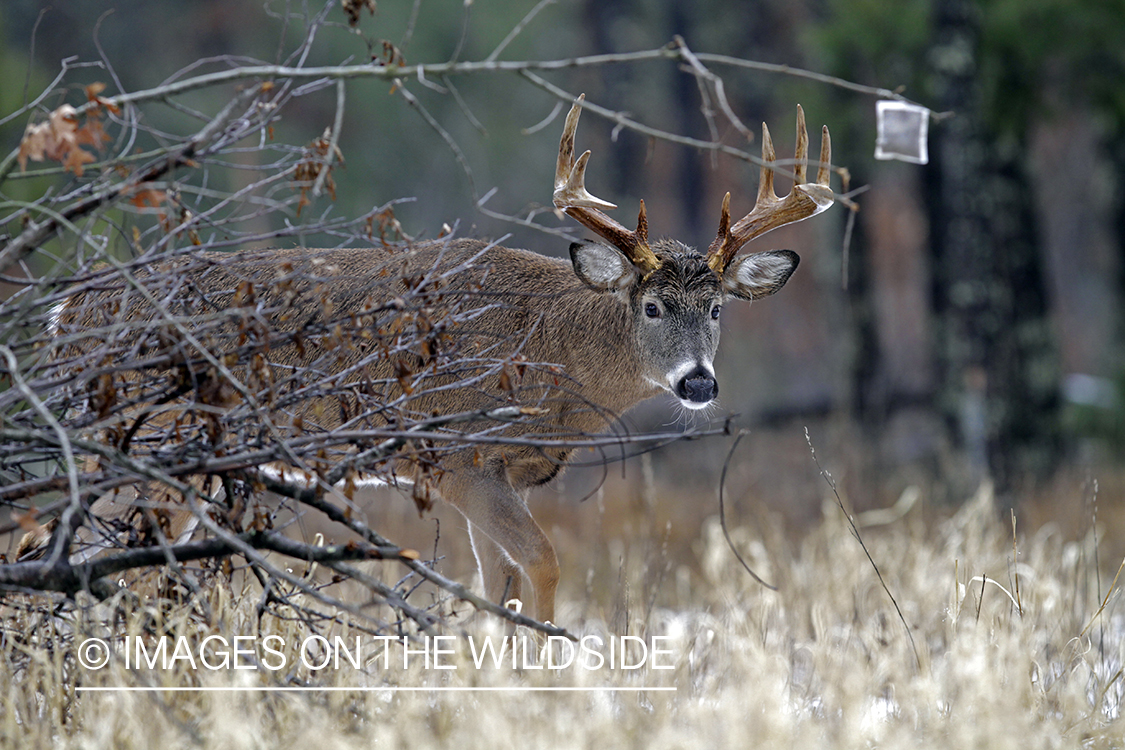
(625,319)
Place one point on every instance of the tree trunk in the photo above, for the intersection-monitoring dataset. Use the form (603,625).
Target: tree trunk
(998,377)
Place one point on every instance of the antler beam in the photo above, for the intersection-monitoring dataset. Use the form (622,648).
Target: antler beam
(571,196)
(770,212)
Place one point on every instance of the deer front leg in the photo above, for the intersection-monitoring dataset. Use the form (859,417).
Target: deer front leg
(495,510)
(501,576)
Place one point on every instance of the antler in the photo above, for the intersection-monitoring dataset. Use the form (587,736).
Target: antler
(770,212)
(571,196)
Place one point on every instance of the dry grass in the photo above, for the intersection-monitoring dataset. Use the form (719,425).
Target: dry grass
(825,662)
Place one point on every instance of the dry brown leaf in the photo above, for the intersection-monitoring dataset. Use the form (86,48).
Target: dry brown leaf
(60,138)
(353,8)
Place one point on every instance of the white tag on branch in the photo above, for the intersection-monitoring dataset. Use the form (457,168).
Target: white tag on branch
(903,129)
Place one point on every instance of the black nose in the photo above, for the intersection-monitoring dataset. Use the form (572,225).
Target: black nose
(698,386)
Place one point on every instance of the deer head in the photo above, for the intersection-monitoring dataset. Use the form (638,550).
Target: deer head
(674,293)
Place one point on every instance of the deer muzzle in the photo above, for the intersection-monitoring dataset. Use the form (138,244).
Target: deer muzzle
(697,387)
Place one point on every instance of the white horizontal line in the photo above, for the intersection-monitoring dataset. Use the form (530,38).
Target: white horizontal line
(393,689)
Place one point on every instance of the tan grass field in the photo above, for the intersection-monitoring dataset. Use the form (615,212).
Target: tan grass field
(825,662)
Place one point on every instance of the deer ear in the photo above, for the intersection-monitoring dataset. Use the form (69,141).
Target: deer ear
(758,275)
(601,266)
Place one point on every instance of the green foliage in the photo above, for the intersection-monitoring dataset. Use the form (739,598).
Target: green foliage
(1033,55)
(872,41)
(1102,422)
(1040,55)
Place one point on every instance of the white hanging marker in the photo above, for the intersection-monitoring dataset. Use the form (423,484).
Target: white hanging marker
(902,131)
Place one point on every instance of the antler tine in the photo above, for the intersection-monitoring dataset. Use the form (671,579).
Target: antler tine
(642,226)
(724,220)
(801,153)
(765,181)
(571,196)
(825,169)
(770,212)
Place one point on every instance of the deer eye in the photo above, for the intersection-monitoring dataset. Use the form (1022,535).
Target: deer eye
(715,312)
(652,310)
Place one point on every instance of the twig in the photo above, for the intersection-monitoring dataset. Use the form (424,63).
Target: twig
(442,133)
(723,513)
(1016,563)
(855,532)
(72,514)
(1105,601)
(466,12)
(703,74)
(333,140)
(266,540)
(518,28)
(31,58)
(788,70)
(408,33)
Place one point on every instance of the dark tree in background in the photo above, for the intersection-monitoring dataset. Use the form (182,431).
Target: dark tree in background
(998,381)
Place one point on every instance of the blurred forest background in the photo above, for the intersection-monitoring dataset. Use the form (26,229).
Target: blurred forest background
(969,324)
